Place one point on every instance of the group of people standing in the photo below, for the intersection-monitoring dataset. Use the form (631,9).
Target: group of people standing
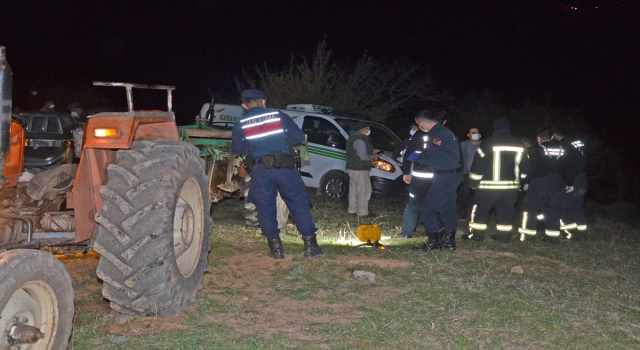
(440,173)
(493,172)
(431,169)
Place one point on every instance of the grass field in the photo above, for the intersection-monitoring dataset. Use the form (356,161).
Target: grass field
(568,296)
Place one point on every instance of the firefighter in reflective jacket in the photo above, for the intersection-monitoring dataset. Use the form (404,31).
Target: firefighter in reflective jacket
(545,187)
(495,174)
(572,220)
(267,136)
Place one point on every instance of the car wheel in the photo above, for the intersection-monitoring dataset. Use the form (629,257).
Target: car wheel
(335,185)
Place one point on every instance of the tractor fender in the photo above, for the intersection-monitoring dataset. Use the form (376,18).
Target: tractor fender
(124,128)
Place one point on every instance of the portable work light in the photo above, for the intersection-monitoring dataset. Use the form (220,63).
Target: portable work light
(370,235)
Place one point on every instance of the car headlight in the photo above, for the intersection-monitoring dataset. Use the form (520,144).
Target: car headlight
(383,165)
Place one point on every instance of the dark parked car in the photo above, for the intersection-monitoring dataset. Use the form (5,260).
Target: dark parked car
(49,137)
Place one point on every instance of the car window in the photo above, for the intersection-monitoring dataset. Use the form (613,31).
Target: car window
(381,137)
(38,124)
(323,132)
(53,125)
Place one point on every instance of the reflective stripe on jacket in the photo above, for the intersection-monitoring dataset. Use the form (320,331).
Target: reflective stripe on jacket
(500,163)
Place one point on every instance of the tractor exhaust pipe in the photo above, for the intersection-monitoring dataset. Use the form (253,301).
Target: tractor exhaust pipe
(6,85)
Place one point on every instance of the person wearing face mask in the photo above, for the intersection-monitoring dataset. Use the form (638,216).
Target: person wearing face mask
(49,106)
(469,148)
(495,173)
(545,186)
(399,152)
(77,112)
(442,156)
(360,153)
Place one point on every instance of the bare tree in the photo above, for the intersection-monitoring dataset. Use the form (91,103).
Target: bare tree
(368,88)
(525,117)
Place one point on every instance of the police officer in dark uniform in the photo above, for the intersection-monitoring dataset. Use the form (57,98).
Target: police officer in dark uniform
(573,222)
(442,155)
(418,177)
(267,136)
(497,168)
(545,187)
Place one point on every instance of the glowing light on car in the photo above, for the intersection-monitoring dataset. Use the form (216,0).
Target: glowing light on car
(383,165)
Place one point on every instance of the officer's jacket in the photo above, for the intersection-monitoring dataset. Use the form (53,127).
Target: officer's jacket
(575,159)
(416,146)
(401,149)
(545,159)
(442,150)
(500,163)
(262,131)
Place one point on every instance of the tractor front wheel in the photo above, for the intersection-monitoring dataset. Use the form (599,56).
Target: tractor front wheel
(36,301)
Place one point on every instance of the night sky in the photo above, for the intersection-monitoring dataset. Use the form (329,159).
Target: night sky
(586,59)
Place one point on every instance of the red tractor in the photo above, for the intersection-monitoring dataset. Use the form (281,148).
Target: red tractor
(138,196)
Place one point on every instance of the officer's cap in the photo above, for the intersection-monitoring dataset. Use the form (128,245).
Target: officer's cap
(253,94)
(360,125)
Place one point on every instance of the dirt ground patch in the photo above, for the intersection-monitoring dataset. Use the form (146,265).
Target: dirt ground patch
(373,262)
(257,303)
(243,291)
(114,323)
(80,269)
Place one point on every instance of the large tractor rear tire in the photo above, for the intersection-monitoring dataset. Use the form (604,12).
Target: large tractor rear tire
(153,237)
(36,301)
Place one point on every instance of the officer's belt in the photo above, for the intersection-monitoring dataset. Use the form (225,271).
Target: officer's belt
(421,167)
(285,161)
(448,171)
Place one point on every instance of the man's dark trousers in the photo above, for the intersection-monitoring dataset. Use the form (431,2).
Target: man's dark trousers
(418,189)
(573,206)
(441,198)
(464,197)
(265,183)
(543,203)
(504,203)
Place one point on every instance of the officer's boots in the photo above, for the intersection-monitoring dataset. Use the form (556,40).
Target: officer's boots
(276,250)
(433,243)
(447,239)
(311,247)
